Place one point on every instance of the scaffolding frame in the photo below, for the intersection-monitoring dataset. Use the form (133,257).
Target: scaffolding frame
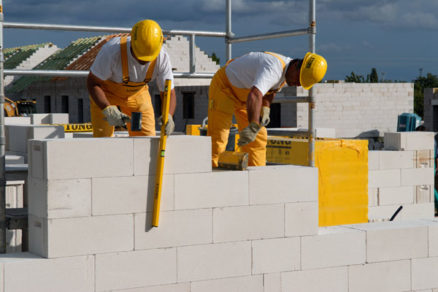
(228,35)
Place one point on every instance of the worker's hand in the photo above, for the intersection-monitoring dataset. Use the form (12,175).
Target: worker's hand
(114,117)
(265,116)
(170,125)
(248,134)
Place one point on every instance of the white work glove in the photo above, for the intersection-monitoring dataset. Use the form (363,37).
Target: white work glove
(170,126)
(265,116)
(248,134)
(114,117)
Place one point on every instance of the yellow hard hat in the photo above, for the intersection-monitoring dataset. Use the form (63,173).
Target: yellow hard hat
(146,40)
(312,70)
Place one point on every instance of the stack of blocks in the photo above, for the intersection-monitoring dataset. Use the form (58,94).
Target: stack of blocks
(257,230)
(402,175)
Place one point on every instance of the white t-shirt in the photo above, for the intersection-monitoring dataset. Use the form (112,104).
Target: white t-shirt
(258,69)
(108,65)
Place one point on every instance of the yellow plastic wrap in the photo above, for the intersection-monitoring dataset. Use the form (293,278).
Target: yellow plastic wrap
(343,175)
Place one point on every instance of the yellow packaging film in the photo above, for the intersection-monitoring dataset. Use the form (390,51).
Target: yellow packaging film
(343,175)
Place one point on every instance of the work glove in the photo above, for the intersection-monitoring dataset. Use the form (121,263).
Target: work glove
(170,126)
(248,134)
(265,116)
(115,117)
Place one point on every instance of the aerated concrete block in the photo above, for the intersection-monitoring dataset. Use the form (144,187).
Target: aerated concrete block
(424,194)
(124,270)
(211,189)
(275,255)
(176,228)
(396,195)
(301,219)
(49,118)
(384,178)
(17,136)
(395,240)
(380,277)
(248,222)
(68,274)
(408,212)
(59,198)
(282,184)
(333,246)
(425,273)
(65,237)
(81,158)
(397,159)
(131,194)
(328,280)
(374,160)
(183,287)
(251,283)
(272,282)
(424,158)
(417,176)
(184,154)
(433,237)
(213,261)
(373,197)
(17,120)
(409,141)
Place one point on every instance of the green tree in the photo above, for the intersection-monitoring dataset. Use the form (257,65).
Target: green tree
(215,58)
(374,77)
(353,77)
(420,84)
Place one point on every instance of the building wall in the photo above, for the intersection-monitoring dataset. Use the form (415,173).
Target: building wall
(431,109)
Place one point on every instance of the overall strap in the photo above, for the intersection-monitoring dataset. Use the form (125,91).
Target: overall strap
(150,71)
(124,55)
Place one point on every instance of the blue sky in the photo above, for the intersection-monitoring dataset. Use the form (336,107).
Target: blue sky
(397,37)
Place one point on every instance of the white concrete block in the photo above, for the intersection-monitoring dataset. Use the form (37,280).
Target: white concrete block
(69,274)
(425,273)
(181,156)
(397,159)
(409,141)
(301,219)
(275,255)
(183,287)
(80,236)
(272,282)
(131,194)
(374,160)
(213,261)
(327,280)
(176,228)
(384,178)
(424,158)
(380,277)
(281,184)
(433,236)
(59,198)
(213,189)
(333,246)
(17,136)
(395,240)
(424,194)
(83,158)
(17,120)
(239,284)
(125,270)
(14,159)
(248,222)
(408,212)
(417,176)
(396,195)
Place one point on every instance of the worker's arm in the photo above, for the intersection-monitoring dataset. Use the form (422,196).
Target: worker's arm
(112,114)
(254,105)
(94,86)
(267,99)
(266,109)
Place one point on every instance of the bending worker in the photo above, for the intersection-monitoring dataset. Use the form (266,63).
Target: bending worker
(246,87)
(119,78)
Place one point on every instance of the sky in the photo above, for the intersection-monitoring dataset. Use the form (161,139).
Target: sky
(397,37)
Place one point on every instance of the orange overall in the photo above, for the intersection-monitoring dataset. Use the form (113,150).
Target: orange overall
(130,97)
(224,100)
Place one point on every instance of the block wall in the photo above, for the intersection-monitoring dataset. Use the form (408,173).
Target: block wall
(254,230)
(402,175)
(430,109)
(357,108)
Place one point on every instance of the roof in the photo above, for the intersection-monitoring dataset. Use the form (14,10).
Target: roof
(58,61)
(15,56)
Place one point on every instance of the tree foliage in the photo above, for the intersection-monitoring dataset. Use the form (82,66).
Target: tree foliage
(373,77)
(429,81)
(215,58)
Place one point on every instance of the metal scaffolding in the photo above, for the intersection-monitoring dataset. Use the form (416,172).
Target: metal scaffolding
(228,35)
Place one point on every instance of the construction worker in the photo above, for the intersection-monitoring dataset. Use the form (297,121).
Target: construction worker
(119,77)
(245,87)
